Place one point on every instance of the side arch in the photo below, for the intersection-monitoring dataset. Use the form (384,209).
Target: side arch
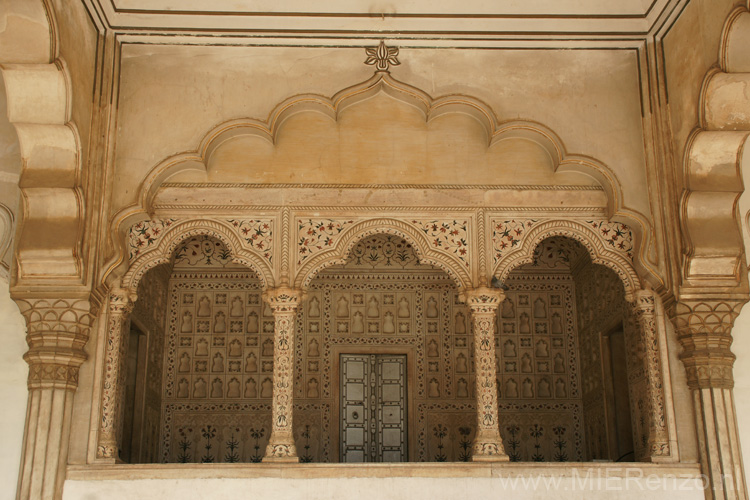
(177,233)
(339,251)
(590,239)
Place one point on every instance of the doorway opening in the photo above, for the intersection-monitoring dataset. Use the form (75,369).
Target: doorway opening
(373,408)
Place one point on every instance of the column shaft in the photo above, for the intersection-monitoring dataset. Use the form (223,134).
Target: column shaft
(704,329)
(488,445)
(113,390)
(57,332)
(281,447)
(644,308)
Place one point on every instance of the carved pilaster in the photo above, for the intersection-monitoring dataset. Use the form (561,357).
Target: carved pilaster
(488,445)
(644,310)
(113,387)
(704,329)
(57,333)
(284,303)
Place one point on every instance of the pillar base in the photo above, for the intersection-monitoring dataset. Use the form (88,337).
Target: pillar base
(488,450)
(281,452)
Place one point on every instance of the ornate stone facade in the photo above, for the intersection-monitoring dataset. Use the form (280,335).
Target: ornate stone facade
(124,154)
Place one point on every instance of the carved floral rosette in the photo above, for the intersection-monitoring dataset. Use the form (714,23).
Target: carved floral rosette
(483,304)
(284,303)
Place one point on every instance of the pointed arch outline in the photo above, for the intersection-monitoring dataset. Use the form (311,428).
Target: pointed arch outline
(342,247)
(183,229)
(580,232)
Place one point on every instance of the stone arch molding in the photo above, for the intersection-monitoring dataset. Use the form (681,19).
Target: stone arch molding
(178,232)
(350,236)
(599,251)
(431,108)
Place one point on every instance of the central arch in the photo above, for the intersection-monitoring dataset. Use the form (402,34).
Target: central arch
(341,248)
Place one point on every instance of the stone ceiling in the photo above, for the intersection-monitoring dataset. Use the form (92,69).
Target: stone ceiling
(417,19)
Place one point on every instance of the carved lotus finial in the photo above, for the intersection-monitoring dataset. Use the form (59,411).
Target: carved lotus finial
(382,56)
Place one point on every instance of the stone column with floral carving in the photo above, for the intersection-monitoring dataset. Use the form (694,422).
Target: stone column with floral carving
(488,445)
(704,328)
(284,302)
(644,311)
(57,333)
(113,386)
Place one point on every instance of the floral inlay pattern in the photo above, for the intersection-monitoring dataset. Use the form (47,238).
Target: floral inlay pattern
(617,235)
(257,233)
(202,251)
(450,236)
(314,235)
(145,235)
(506,234)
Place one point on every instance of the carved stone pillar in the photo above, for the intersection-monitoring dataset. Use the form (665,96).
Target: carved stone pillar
(644,311)
(488,445)
(704,329)
(57,332)
(284,303)
(113,386)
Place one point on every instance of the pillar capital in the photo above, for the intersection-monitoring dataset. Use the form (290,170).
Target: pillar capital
(284,299)
(121,301)
(483,299)
(57,331)
(704,328)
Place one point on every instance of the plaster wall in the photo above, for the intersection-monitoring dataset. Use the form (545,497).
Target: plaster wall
(13,393)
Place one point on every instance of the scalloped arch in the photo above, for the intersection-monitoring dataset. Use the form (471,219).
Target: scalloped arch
(332,107)
(182,230)
(578,231)
(339,252)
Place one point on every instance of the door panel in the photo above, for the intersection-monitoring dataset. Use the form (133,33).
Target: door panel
(373,408)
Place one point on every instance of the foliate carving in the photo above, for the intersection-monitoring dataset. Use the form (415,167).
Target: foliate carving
(202,251)
(382,251)
(483,304)
(57,332)
(120,306)
(704,330)
(284,303)
(483,300)
(448,236)
(145,235)
(557,253)
(507,234)
(615,234)
(314,235)
(257,233)
(382,56)
(644,309)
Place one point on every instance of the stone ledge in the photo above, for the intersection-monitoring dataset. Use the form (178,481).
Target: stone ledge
(106,472)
